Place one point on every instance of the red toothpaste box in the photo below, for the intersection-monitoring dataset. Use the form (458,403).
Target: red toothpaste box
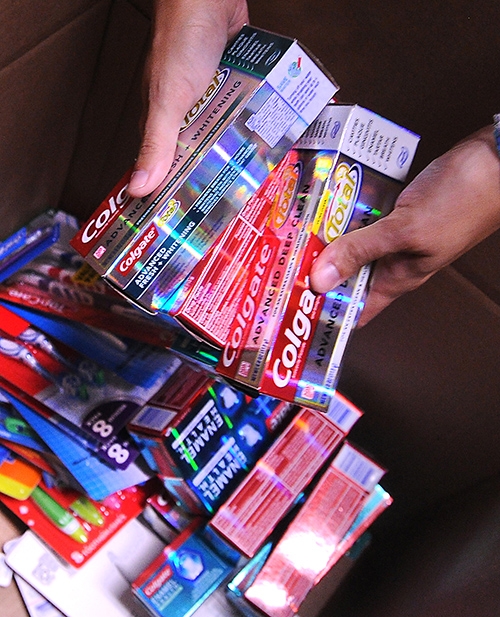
(309,546)
(270,276)
(268,492)
(360,161)
(208,301)
(266,92)
(340,561)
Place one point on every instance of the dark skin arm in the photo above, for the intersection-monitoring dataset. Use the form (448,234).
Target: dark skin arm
(452,205)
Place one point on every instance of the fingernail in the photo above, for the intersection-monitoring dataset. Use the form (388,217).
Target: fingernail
(138,179)
(328,277)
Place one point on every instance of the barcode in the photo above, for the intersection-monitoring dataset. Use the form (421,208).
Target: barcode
(153,418)
(342,414)
(358,467)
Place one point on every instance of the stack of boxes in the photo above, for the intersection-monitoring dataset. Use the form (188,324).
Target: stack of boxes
(242,438)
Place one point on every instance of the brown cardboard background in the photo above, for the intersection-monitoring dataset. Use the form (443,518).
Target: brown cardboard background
(42,94)
(109,133)
(23,25)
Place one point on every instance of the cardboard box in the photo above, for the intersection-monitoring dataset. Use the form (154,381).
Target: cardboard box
(266,92)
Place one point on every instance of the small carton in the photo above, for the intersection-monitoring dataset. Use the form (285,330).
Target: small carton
(270,276)
(309,547)
(271,488)
(347,550)
(179,580)
(208,301)
(267,91)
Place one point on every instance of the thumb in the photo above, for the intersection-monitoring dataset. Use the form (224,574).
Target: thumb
(343,257)
(158,147)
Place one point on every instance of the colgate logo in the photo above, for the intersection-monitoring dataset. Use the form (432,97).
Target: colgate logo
(216,84)
(345,194)
(134,255)
(107,211)
(296,335)
(247,309)
(157,583)
(285,199)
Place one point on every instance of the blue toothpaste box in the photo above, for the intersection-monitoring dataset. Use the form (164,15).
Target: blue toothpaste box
(179,580)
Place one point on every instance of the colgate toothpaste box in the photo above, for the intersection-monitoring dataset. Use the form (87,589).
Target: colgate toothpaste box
(207,303)
(271,488)
(182,577)
(267,91)
(333,559)
(204,436)
(270,276)
(359,161)
(310,545)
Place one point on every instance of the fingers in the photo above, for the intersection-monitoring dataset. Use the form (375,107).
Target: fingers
(344,256)
(392,277)
(189,38)
(157,149)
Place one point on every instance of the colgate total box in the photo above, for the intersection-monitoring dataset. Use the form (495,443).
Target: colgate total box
(271,488)
(360,161)
(267,91)
(309,546)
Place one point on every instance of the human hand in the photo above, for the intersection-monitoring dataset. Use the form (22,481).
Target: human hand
(453,204)
(189,37)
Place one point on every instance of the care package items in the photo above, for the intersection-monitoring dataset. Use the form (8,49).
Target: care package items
(182,444)
(172,440)
(285,340)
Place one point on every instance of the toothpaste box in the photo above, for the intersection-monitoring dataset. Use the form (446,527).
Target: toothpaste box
(342,559)
(293,349)
(182,577)
(267,91)
(270,276)
(203,436)
(309,546)
(207,302)
(269,491)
